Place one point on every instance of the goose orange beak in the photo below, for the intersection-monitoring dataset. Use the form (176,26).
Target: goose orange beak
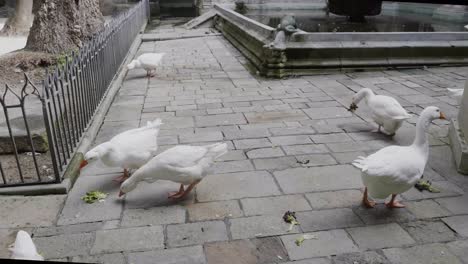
(83,164)
(121,193)
(442,116)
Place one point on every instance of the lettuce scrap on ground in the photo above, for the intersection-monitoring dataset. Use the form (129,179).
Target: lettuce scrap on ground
(94,196)
(422,185)
(290,217)
(302,238)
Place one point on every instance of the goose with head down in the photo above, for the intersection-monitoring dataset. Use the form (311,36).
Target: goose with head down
(128,150)
(385,110)
(147,61)
(395,169)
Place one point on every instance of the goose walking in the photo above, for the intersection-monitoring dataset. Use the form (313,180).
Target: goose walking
(147,61)
(183,164)
(385,110)
(395,169)
(24,248)
(128,150)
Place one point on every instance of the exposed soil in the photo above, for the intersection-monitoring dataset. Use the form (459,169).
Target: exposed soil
(13,65)
(12,175)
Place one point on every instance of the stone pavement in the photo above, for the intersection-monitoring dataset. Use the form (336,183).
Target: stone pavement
(291,143)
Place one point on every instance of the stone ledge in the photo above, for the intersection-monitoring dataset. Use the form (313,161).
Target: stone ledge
(459,147)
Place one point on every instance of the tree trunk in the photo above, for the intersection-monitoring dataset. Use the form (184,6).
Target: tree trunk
(20,22)
(61,26)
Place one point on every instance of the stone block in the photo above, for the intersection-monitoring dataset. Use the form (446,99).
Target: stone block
(456,205)
(196,233)
(429,232)
(331,138)
(213,210)
(129,239)
(305,149)
(446,188)
(247,133)
(311,160)
(372,145)
(459,248)
(201,137)
(328,219)
(347,157)
(276,116)
(16,210)
(265,153)
(241,185)
(427,209)
(275,163)
(153,216)
(259,226)
(220,120)
(432,253)
(251,143)
(276,205)
(20,134)
(367,257)
(458,224)
(67,230)
(233,155)
(327,178)
(370,237)
(176,122)
(117,258)
(327,112)
(77,211)
(182,255)
(380,214)
(290,140)
(232,166)
(320,246)
(336,199)
(64,245)
(285,131)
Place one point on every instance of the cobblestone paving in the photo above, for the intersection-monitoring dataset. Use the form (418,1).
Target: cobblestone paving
(205,94)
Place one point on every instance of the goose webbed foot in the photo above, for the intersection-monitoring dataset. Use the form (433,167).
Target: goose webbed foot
(365,200)
(182,193)
(123,177)
(177,194)
(394,203)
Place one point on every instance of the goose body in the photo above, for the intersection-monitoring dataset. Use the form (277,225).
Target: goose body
(147,61)
(24,248)
(456,93)
(395,169)
(385,110)
(183,164)
(128,150)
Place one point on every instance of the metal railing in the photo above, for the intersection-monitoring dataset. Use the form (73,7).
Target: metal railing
(71,94)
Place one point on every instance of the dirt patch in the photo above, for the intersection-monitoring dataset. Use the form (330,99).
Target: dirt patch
(13,65)
(12,175)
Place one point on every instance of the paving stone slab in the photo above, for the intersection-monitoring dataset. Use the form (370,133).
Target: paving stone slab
(77,211)
(311,160)
(319,247)
(327,112)
(370,237)
(214,210)
(311,261)
(429,231)
(246,133)
(285,131)
(380,214)
(458,223)
(276,205)
(335,199)
(252,143)
(459,248)
(367,257)
(128,239)
(64,245)
(220,120)
(456,205)
(331,138)
(425,254)
(290,140)
(255,251)
(117,258)
(69,229)
(328,219)
(427,209)
(280,163)
(241,185)
(265,153)
(153,216)
(16,210)
(446,188)
(347,157)
(232,166)
(201,137)
(196,233)
(305,149)
(182,255)
(276,116)
(327,178)
(259,226)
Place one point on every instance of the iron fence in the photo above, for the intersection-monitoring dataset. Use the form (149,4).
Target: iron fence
(71,94)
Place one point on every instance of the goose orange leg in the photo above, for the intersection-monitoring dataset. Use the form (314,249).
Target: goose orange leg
(394,203)
(122,178)
(175,194)
(184,193)
(365,200)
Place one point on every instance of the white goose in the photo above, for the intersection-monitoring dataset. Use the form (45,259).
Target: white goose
(128,150)
(395,169)
(456,93)
(186,165)
(147,61)
(24,248)
(386,111)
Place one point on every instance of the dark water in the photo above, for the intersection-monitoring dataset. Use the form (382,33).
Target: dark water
(319,21)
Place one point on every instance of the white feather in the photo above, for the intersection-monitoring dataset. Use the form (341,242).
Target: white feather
(24,248)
